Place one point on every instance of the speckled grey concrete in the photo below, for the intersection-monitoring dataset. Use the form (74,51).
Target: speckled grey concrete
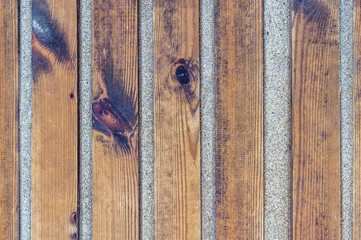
(277,120)
(346,89)
(146,135)
(25,119)
(85,128)
(208,123)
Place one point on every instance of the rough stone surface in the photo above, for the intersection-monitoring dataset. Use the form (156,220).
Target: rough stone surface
(277,120)
(25,119)
(208,123)
(346,89)
(146,134)
(85,120)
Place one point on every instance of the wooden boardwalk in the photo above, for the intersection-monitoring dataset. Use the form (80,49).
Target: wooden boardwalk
(239,69)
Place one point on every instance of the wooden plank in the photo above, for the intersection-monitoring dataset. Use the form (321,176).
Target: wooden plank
(239,119)
(115,120)
(357,122)
(9,158)
(177,119)
(55,119)
(315,119)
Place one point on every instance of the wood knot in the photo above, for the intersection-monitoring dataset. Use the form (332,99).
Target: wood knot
(74,236)
(110,117)
(74,218)
(182,75)
(185,74)
(110,121)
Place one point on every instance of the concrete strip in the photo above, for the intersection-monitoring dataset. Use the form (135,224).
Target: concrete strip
(277,119)
(146,133)
(85,120)
(208,122)
(25,119)
(346,89)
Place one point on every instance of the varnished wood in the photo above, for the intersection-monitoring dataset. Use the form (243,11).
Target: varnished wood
(357,122)
(177,120)
(239,119)
(55,120)
(9,158)
(115,120)
(315,119)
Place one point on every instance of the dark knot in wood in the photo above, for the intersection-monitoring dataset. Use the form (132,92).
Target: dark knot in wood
(74,218)
(185,74)
(105,112)
(182,75)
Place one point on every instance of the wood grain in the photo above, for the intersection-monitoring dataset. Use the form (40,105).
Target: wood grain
(315,119)
(115,120)
(9,159)
(55,120)
(357,122)
(177,120)
(239,119)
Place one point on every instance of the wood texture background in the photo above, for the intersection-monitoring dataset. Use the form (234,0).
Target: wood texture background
(9,159)
(357,122)
(115,120)
(55,119)
(315,119)
(177,120)
(239,119)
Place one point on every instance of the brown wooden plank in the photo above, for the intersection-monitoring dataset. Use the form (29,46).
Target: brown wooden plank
(115,120)
(357,122)
(239,119)
(177,119)
(55,118)
(9,159)
(315,119)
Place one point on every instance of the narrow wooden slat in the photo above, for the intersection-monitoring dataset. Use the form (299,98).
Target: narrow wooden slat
(315,119)
(177,119)
(115,120)
(55,118)
(357,122)
(239,119)
(9,161)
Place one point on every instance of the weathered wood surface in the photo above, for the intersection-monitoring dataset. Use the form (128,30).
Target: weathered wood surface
(315,119)
(239,119)
(357,122)
(115,120)
(9,159)
(177,120)
(55,120)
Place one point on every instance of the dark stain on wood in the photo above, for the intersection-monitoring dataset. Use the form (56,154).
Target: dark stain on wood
(74,236)
(46,37)
(74,218)
(46,30)
(313,11)
(185,74)
(110,121)
(119,104)
(182,75)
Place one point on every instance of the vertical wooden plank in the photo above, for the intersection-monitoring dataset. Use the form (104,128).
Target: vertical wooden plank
(115,120)
(239,119)
(357,122)
(9,160)
(315,119)
(55,118)
(177,119)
